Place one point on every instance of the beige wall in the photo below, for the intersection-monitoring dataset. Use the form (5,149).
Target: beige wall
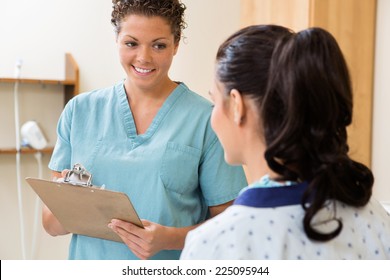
(291,13)
(40,32)
(381,112)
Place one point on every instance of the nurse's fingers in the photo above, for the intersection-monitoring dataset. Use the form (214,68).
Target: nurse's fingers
(64,172)
(129,227)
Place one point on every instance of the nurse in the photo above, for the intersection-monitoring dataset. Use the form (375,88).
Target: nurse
(147,136)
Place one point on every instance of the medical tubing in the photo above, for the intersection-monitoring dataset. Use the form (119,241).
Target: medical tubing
(18,172)
(38,156)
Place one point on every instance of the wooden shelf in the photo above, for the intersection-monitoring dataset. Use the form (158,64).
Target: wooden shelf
(26,151)
(71,88)
(37,81)
(70,83)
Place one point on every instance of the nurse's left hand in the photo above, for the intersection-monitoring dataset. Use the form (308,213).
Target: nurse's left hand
(143,242)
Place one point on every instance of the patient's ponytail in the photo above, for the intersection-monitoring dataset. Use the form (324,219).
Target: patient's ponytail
(305,111)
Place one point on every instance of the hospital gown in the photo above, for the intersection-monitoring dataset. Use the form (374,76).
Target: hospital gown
(266,223)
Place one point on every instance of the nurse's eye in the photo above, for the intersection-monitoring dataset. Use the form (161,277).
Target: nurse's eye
(131,44)
(159,46)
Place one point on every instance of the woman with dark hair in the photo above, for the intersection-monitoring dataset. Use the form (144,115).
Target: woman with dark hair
(283,101)
(149,137)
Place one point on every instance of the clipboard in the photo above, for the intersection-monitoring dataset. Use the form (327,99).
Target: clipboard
(85,210)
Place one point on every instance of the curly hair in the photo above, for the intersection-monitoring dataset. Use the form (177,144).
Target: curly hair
(170,10)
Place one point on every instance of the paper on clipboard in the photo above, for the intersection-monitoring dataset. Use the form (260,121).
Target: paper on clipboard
(85,210)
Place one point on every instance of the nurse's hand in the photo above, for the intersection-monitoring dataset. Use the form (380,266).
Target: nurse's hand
(146,242)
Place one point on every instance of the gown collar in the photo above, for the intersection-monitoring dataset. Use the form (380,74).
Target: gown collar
(272,196)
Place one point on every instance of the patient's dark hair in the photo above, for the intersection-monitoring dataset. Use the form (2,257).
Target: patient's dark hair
(301,85)
(171,10)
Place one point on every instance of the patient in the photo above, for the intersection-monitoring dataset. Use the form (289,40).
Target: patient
(283,101)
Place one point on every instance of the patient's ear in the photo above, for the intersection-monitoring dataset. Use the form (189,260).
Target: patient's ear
(237,106)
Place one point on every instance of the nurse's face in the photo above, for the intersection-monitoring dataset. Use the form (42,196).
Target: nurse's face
(146,49)
(222,122)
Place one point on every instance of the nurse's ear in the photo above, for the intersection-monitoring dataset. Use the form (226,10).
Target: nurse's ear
(237,106)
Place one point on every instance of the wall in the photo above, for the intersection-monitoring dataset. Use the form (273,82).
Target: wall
(381,112)
(40,32)
(290,13)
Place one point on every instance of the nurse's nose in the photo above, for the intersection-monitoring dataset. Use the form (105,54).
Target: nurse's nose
(144,55)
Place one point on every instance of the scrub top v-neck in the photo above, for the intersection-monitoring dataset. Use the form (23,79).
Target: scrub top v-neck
(172,173)
(129,122)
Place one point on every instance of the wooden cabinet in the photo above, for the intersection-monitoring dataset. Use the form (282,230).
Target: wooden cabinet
(352,22)
(70,88)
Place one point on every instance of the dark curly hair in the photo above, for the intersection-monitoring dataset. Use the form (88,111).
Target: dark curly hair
(301,85)
(171,10)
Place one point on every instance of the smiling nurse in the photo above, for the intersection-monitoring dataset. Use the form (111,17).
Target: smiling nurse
(147,136)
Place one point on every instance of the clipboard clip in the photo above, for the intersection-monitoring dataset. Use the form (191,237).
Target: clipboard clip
(79,176)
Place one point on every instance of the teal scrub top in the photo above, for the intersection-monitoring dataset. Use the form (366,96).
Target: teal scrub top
(172,173)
